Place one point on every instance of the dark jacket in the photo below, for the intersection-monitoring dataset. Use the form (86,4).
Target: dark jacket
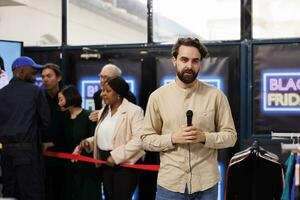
(56,130)
(24,113)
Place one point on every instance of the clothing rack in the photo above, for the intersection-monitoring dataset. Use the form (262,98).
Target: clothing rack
(294,147)
(290,148)
(280,136)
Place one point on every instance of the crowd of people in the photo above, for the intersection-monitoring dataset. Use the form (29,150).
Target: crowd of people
(33,120)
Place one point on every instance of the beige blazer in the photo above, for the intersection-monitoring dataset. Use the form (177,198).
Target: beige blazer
(127,146)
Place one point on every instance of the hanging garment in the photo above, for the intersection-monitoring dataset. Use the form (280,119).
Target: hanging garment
(288,178)
(254,174)
(295,192)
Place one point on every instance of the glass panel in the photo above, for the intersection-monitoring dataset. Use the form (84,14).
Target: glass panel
(36,22)
(276,18)
(276,88)
(208,20)
(107,22)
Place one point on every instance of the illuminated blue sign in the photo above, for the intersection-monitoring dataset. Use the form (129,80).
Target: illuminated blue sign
(38,81)
(221,185)
(211,80)
(89,85)
(281,91)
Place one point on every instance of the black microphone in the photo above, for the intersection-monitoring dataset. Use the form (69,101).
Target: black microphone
(189,116)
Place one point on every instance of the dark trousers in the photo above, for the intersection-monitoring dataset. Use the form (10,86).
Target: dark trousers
(119,182)
(82,184)
(54,182)
(22,173)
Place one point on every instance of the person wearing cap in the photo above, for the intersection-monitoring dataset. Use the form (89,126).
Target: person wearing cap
(117,140)
(24,117)
(3,75)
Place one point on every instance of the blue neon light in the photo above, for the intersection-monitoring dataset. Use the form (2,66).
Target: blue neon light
(38,81)
(87,89)
(89,85)
(283,77)
(221,184)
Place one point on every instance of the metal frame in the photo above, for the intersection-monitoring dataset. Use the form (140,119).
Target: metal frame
(249,86)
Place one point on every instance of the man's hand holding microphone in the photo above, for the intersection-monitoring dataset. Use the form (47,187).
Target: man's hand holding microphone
(188,134)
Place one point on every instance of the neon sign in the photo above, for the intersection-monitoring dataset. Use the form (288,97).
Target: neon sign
(38,81)
(89,85)
(221,184)
(281,91)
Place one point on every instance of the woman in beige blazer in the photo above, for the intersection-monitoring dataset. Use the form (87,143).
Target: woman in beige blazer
(117,140)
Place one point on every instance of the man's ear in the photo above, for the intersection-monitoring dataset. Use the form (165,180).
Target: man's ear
(18,72)
(174,61)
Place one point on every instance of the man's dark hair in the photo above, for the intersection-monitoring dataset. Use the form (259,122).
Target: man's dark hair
(54,67)
(1,63)
(72,96)
(190,42)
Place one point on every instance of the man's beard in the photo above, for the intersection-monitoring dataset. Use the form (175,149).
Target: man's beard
(187,78)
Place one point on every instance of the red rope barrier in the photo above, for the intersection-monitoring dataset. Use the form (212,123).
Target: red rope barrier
(92,160)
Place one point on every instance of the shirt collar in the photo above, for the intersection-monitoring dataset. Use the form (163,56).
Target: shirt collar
(187,90)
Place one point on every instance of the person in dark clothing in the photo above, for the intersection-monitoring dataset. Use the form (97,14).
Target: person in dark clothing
(24,117)
(81,180)
(108,71)
(51,77)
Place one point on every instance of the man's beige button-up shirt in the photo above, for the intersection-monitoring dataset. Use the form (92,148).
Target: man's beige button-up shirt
(191,165)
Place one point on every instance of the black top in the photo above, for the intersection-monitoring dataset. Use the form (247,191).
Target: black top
(98,99)
(24,112)
(77,130)
(56,130)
